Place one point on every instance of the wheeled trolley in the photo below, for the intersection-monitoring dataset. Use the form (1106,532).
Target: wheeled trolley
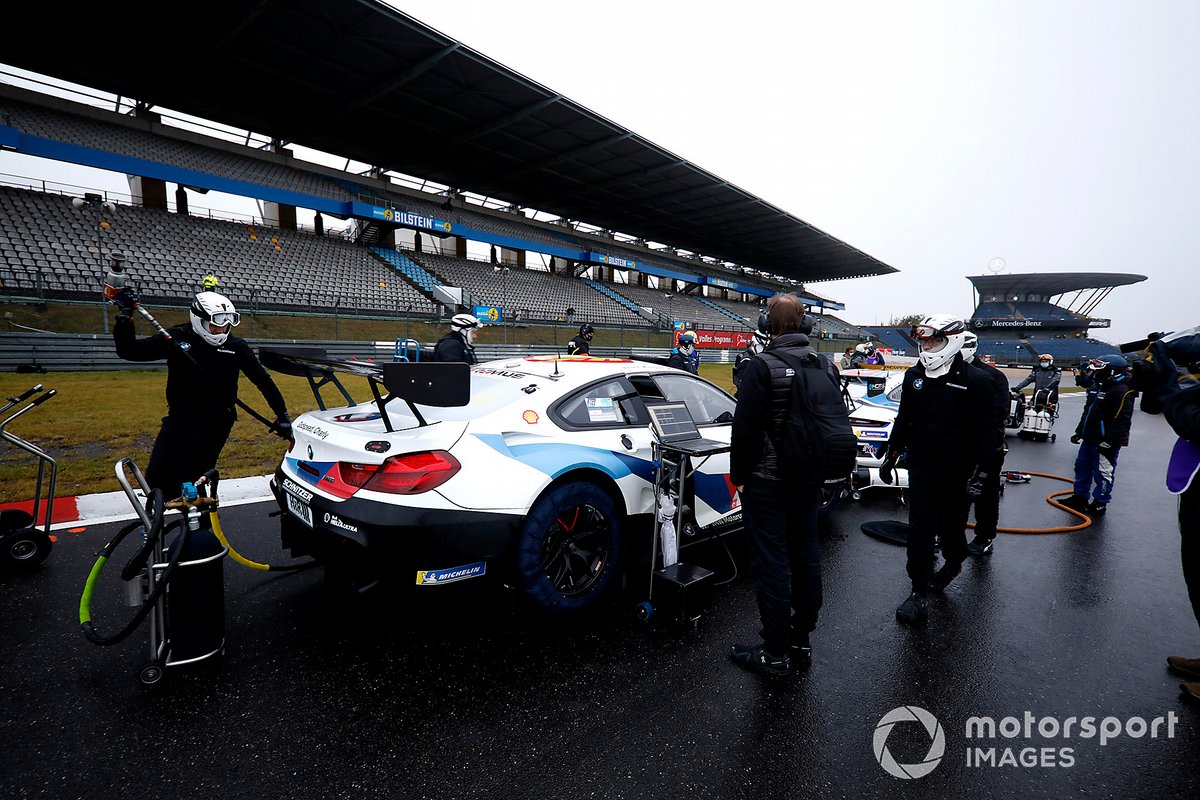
(23,545)
(176,578)
(684,591)
(1038,420)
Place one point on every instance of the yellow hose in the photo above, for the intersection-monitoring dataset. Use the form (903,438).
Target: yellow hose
(234,554)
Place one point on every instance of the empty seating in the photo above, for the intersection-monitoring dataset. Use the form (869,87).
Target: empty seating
(529,294)
(64,249)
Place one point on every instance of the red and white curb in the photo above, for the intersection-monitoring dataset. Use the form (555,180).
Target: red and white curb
(97,509)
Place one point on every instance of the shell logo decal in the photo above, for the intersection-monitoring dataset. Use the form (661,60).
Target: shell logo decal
(531,417)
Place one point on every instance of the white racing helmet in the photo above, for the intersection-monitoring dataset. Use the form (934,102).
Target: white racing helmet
(1046,360)
(970,345)
(465,324)
(937,361)
(211,311)
(462,322)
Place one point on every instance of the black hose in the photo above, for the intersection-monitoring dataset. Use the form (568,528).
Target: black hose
(155,502)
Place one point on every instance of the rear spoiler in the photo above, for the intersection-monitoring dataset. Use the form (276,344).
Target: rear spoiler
(442,385)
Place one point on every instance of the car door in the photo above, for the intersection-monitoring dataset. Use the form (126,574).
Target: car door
(712,409)
(606,427)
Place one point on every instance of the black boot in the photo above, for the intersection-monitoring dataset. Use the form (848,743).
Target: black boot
(756,659)
(912,611)
(1074,502)
(942,578)
(1095,510)
(800,652)
(980,545)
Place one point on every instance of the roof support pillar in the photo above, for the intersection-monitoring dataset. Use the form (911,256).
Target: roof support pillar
(278,215)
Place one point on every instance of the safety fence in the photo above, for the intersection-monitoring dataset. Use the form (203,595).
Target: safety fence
(64,352)
(298,315)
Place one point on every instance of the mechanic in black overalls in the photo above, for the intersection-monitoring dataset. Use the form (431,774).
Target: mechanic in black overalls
(987,504)
(947,426)
(458,344)
(581,344)
(203,367)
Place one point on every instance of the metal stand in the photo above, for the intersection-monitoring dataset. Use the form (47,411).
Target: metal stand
(690,585)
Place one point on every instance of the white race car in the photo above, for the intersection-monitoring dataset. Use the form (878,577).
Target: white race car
(875,396)
(544,476)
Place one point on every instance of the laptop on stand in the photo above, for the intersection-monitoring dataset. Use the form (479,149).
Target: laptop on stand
(675,429)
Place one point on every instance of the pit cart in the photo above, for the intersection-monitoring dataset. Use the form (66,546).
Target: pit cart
(22,544)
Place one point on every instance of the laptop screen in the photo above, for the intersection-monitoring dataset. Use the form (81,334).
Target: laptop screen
(672,422)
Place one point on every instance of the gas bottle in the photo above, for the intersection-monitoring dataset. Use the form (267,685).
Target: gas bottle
(196,594)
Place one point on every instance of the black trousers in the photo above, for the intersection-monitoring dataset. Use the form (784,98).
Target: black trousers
(987,505)
(785,559)
(937,509)
(1189,543)
(184,450)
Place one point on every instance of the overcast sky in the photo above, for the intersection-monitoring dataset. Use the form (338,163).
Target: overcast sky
(1059,136)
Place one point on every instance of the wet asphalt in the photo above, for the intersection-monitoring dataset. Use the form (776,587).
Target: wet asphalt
(456,691)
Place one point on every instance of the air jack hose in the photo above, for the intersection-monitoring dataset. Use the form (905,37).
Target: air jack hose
(241,559)
(1050,498)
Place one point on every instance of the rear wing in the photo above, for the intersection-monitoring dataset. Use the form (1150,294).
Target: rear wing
(438,384)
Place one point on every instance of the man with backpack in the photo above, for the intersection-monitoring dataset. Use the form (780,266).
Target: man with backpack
(947,425)
(777,466)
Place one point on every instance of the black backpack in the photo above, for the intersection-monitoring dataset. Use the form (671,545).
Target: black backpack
(816,443)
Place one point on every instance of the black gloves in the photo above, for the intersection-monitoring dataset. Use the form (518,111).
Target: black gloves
(886,468)
(975,485)
(1105,447)
(1076,438)
(282,427)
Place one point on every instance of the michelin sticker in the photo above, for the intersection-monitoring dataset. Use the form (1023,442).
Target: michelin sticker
(433,577)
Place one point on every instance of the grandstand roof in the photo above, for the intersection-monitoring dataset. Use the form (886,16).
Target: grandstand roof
(1051,283)
(362,80)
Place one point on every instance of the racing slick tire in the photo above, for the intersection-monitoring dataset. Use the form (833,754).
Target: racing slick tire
(569,549)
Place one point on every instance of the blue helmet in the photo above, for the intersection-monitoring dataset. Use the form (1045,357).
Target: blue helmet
(1109,367)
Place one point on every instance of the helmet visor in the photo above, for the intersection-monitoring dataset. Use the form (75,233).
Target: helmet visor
(222,318)
(924,332)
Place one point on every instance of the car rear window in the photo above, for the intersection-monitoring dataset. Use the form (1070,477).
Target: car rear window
(490,390)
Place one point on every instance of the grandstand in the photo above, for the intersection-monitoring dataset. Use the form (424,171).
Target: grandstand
(47,245)
(538,295)
(896,339)
(583,199)
(1020,317)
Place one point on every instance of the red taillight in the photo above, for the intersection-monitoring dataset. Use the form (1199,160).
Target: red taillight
(356,474)
(413,473)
